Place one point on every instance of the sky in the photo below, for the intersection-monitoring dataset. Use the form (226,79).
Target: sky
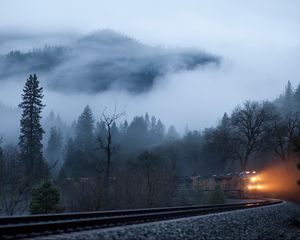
(259,42)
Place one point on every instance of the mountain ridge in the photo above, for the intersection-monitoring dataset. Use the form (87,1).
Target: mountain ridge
(101,61)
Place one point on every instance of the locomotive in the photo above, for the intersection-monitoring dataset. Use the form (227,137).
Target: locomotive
(242,185)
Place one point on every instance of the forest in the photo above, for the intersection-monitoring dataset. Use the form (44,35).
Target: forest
(108,162)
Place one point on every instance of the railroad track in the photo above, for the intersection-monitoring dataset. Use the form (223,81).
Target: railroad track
(36,225)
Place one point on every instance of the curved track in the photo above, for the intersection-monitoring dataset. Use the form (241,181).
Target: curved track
(35,225)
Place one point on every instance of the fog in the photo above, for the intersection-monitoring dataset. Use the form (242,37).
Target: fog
(101,61)
(258,44)
(280,180)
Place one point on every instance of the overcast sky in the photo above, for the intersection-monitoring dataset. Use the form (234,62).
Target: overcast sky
(258,40)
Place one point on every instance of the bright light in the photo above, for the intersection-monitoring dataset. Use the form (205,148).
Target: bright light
(253,179)
(253,172)
(247,172)
(255,187)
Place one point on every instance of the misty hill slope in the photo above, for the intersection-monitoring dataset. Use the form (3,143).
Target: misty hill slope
(101,61)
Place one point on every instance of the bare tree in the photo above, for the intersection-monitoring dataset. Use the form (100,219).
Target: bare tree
(283,133)
(106,145)
(249,127)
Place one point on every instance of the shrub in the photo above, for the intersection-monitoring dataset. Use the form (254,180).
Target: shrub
(45,199)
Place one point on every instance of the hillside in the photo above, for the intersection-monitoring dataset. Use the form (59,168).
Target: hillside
(101,61)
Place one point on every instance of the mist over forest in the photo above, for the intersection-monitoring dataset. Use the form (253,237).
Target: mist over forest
(101,61)
(161,99)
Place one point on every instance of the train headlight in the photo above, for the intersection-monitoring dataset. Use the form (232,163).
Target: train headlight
(253,179)
(255,187)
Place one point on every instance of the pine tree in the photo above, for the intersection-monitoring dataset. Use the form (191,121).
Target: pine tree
(160,130)
(297,99)
(70,154)
(172,134)
(30,140)
(289,91)
(79,159)
(54,149)
(288,99)
(123,128)
(137,133)
(153,124)
(85,130)
(157,131)
(45,199)
(147,120)
(225,122)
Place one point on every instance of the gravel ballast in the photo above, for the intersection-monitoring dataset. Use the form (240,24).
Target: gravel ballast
(270,222)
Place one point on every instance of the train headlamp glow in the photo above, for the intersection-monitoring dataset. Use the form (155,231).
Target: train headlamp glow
(255,187)
(253,179)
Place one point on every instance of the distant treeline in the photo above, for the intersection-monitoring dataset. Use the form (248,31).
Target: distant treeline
(110,163)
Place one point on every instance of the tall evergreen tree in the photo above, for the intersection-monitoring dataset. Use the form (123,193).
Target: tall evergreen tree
(30,140)
(297,99)
(137,133)
(160,130)
(172,134)
(85,130)
(70,168)
(80,154)
(54,149)
(147,120)
(288,99)
(123,128)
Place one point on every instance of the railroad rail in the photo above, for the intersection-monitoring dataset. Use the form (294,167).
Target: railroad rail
(35,225)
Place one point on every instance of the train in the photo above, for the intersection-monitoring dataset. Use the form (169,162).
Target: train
(245,184)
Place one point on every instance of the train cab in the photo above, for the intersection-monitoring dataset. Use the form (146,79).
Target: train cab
(251,183)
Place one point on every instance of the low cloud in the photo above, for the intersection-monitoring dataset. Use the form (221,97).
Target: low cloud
(102,61)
